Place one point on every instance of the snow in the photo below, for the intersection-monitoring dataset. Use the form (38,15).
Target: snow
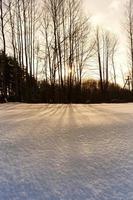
(66,152)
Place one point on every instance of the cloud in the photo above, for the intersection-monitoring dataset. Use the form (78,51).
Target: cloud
(106,13)
(115,4)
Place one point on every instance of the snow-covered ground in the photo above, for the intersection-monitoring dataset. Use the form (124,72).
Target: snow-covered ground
(66,152)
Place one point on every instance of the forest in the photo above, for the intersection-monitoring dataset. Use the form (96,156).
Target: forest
(48,48)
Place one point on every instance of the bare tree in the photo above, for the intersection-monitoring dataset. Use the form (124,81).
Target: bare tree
(66,40)
(99,58)
(106,44)
(2,20)
(129,26)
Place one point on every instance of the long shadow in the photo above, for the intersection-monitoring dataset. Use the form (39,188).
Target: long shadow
(50,110)
(61,121)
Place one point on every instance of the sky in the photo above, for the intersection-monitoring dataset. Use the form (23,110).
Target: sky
(110,15)
(105,8)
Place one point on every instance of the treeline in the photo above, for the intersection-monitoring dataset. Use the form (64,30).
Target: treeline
(52,48)
(15,83)
(17,86)
(90,92)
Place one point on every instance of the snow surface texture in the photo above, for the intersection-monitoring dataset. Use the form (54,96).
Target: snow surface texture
(66,152)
